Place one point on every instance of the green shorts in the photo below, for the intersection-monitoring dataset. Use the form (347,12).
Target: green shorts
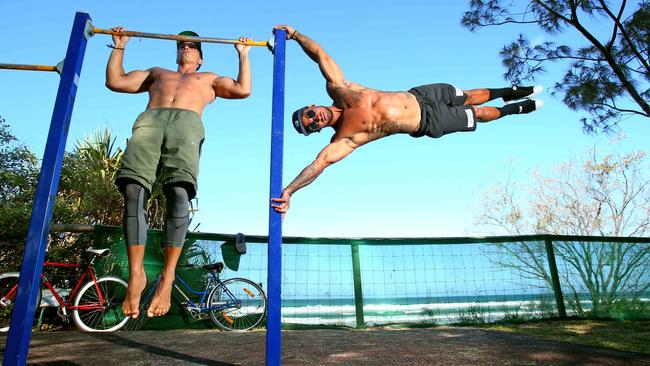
(165,144)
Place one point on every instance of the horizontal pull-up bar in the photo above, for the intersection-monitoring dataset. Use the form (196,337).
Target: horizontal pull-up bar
(32,67)
(179,37)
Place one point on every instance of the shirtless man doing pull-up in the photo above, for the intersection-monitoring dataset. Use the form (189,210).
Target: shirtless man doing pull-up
(165,145)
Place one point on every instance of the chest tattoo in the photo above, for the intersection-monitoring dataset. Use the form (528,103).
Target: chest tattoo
(390,127)
(348,96)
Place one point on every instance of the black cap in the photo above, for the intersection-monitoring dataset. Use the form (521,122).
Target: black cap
(296,118)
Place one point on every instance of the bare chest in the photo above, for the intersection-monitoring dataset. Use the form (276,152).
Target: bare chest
(380,114)
(191,91)
(174,80)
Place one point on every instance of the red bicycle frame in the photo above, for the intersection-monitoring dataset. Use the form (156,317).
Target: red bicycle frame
(68,304)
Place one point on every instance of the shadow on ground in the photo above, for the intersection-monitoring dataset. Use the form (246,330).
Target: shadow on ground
(435,346)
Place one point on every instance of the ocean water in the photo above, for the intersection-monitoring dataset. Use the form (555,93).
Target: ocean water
(440,310)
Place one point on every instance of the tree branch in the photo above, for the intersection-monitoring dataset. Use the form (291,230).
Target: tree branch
(626,37)
(614,107)
(511,21)
(553,58)
(617,22)
(627,84)
(542,3)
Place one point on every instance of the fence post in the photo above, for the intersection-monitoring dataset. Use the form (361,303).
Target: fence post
(358,293)
(557,289)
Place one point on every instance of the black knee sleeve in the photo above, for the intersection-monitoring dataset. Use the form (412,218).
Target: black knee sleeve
(178,215)
(135,214)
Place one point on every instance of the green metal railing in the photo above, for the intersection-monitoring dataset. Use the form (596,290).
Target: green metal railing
(440,273)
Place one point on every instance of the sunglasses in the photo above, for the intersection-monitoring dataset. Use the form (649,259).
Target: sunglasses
(310,113)
(313,125)
(188,44)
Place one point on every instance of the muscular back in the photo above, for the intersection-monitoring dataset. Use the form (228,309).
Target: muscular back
(169,89)
(370,114)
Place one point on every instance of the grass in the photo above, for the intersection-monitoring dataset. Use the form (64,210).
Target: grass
(621,335)
(630,336)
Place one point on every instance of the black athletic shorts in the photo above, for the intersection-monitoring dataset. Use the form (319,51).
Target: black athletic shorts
(443,111)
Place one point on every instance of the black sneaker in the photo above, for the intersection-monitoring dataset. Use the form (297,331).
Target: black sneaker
(528,105)
(521,92)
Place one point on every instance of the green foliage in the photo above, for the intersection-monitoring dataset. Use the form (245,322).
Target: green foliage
(18,167)
(100,152)
(429,316)
(87,193)
(608,76)
(473,315)
(632,308)
(513,316)
(629,309)
(18,176)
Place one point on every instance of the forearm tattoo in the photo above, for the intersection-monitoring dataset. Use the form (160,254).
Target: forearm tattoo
(308,45)
(305,177)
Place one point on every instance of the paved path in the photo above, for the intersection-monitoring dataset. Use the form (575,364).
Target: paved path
(436,346)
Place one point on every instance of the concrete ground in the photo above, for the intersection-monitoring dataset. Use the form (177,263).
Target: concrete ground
(435,346)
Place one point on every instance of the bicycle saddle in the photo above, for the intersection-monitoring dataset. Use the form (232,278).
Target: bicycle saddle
(99,252)
(213,267)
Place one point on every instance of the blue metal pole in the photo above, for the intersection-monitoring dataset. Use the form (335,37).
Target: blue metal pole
(20,330)
(273,321)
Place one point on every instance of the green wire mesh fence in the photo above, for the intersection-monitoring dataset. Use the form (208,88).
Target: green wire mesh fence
(423,281)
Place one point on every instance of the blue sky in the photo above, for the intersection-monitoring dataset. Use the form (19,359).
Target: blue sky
(397,187)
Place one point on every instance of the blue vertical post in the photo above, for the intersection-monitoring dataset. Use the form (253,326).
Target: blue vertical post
(273,321)
(20,330)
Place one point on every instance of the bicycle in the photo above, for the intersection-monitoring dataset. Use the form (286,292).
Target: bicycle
(95,305)
(233,304)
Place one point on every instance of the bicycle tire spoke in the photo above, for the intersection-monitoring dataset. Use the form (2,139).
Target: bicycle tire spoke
(239,304)
(8,284)
(94,315)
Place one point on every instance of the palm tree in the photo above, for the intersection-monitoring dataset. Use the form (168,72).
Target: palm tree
(99,149)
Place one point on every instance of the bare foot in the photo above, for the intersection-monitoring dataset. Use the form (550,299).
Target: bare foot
(162,299)
(137,283)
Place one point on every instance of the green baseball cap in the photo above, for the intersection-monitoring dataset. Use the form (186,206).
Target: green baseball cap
(191,34)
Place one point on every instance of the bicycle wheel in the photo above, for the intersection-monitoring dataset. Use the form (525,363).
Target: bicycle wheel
(8,289)
(91,315)
(240,304)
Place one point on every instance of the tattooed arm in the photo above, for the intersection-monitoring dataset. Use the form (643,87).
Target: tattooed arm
(328,67)
(332,153)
